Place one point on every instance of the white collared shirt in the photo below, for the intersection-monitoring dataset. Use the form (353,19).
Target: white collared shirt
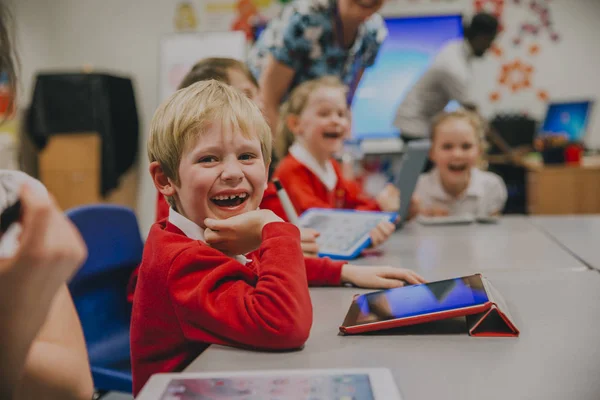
(193,231)
(485,195)
(448,78)
(326,175)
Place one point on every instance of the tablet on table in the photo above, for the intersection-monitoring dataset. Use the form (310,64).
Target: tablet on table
(416,304)
(308,384)
(343,233)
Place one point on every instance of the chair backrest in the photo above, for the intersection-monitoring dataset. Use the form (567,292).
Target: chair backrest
(115,247)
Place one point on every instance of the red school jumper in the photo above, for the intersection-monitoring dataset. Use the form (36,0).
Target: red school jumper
(190,295)
(307,190)
(270,201)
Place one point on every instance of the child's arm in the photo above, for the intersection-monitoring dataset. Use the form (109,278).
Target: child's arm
(357,200)
(49,252)
(354,197)
(371,277)
(381,233)
(389,198)
(57,363)
(323,271)
(266,306)
(495,195)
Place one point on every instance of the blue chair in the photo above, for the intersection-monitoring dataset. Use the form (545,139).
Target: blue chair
(114,244)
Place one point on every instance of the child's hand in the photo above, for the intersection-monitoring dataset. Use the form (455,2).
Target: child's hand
(308,242)
(381,232)
(414,209)
(389,198)
(370,277)
(240,234)
(435,212)
(50,250)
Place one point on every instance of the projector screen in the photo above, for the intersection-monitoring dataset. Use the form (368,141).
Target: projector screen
(410,47)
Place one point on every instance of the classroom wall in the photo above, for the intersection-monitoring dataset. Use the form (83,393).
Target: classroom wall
(123,36)
(110,35)
(563,70)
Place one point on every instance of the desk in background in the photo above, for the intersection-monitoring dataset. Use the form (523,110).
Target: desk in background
(563,189)
(439,252)
(553,189)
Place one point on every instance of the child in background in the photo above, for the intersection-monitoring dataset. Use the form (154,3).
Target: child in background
(456,186)
(313,124)
(218,270)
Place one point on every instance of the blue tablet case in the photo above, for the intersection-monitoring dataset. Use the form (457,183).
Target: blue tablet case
(343,233)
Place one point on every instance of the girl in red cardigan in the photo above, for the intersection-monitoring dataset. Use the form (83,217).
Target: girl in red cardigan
(313,125)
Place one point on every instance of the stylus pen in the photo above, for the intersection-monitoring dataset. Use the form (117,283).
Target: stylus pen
(9,216)
(290,212)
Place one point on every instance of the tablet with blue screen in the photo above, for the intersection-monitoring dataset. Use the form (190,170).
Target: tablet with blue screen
(343,233)
(415,304)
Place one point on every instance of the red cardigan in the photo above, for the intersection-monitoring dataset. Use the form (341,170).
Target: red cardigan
(190,295)
(306,190)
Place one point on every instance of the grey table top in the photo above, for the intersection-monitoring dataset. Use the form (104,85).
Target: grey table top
(579,234)
(439,252)
(556,356)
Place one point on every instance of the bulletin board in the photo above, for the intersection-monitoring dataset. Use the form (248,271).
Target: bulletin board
(179,52)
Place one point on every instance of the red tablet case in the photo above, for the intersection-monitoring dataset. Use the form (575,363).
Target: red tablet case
(488,319)
(496,321)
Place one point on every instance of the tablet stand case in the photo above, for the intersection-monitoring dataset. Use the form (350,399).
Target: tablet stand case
(496,321)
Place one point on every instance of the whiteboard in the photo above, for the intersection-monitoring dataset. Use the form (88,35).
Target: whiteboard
(179,52)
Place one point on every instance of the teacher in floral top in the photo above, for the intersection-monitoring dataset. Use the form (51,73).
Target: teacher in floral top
(312,38)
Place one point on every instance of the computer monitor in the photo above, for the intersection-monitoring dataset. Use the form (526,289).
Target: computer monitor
(567,118)
(410,47)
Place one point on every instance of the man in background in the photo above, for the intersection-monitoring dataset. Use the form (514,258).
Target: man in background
(448,78)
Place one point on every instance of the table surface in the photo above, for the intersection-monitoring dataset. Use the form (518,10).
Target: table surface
(578,233)
(439,252)
(553,298)
(556,356)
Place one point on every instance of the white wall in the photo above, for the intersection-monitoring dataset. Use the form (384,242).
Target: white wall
(123,36)
(111,35)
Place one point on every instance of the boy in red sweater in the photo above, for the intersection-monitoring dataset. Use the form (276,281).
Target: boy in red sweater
(218,269)
(237,74)
(234,73)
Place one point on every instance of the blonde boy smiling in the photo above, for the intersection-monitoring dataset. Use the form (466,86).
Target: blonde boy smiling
(219,270)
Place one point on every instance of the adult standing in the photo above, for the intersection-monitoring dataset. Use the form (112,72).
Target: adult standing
(448,78)
(313,38)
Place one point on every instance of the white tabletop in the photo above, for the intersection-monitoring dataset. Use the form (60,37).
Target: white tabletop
(439,252)
(556,357)
(579,234)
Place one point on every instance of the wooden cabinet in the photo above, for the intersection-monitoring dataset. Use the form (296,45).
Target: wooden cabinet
(563,190)
(70,167)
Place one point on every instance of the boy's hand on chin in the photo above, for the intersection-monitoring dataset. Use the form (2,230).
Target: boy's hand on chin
(240,234)
(370,277)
